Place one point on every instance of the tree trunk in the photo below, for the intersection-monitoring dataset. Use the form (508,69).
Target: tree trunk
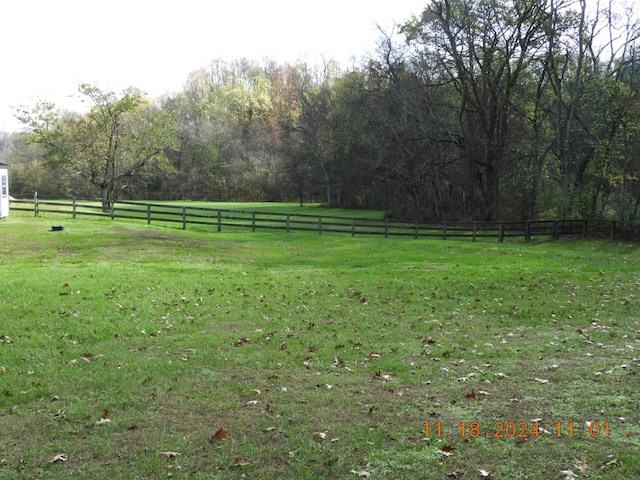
(106,201)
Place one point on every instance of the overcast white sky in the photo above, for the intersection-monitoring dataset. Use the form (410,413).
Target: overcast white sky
(49,47)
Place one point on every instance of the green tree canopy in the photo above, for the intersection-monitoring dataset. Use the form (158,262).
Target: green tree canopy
(117,139)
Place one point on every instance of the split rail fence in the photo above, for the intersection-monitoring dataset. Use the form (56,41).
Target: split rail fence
(240,219)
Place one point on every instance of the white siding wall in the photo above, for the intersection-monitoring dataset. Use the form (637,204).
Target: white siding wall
(4,191)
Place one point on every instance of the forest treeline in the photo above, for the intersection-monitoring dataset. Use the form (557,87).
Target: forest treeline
(472,109)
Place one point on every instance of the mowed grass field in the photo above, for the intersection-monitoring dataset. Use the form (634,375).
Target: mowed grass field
(134,351)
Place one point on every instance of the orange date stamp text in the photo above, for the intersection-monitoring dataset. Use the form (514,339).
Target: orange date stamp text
(501,429)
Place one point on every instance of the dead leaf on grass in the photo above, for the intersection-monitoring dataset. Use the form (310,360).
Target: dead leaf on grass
(541,380)
(320,435)
(61,414)
(220,434)
(361,473)
(471,395)
(456,474)
(615,461)
(582,465)
(61,457)
(485,474)
(170,454)
(443,453)
(103,421)
(379,375)
(569,474)
(241,462)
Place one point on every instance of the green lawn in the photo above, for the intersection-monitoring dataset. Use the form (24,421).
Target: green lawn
(147,352)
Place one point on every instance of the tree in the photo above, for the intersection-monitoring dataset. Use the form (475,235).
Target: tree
(591,101)
(115,141)
(482,47)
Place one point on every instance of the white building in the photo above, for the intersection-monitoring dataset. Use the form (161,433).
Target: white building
(4,190)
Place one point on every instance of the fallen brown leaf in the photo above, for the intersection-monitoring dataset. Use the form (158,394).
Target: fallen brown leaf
(170,454)
(220,434)
(241,462)
(456,474)
(443,453)
(361,473)
(61,457)
(582,465)
(62,413)
(569,474)
(615,461)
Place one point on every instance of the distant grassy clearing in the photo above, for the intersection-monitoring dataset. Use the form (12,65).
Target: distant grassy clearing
(319,355)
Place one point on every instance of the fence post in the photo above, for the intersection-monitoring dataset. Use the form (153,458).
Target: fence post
(501,234)
(184,218)
(353,227)
(584,228)
(474,231)
(386,228)
(35,204)
(112,205)
(415,233)
(74,207)
(253,221)
(444,230)
(527,231)
(288,223)
(613,230)
(319,224)
(556,231)
(148,214)
(219,220)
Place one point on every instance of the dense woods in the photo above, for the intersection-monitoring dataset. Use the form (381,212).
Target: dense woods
(472,109)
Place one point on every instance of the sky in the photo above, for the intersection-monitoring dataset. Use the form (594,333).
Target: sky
(49,47)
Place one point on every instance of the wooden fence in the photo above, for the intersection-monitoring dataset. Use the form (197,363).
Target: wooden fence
(240,219)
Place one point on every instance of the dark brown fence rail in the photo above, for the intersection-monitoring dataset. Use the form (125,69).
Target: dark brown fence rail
(240,219)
